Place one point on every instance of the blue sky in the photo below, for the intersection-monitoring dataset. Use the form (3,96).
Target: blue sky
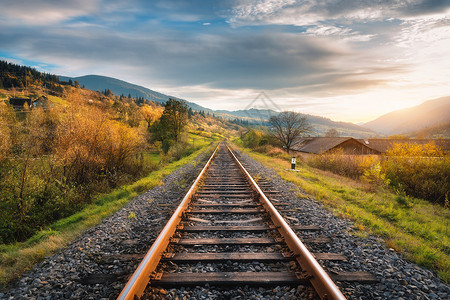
(347,60)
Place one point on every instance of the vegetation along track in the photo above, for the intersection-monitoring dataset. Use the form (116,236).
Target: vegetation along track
(226,219)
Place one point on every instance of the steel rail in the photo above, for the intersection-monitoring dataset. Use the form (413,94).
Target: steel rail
(140,278)
(322,283)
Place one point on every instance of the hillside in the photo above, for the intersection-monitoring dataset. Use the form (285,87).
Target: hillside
(254,116)
(22,78)
(120,87)
(441,130)
(412,119)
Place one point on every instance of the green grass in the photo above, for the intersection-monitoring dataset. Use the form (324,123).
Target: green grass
(153,157)
(417,228)
(17,258)
(200,140)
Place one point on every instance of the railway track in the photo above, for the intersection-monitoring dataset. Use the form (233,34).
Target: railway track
(226,232)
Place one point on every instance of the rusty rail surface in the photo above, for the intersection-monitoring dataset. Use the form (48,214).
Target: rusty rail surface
(312,271)
(322,283)
(140,278)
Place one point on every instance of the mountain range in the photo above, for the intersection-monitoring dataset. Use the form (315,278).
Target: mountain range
(255,116)
(404,121)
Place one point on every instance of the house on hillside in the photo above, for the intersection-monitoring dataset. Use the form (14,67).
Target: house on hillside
(19,103)
(350,146)
(42,102)
(319,145)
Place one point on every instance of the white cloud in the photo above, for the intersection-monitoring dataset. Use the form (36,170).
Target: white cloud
(44,12)
(346,34)
(345,59)
(308,12)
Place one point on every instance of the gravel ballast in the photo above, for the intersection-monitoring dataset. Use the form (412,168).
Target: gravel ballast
(98,263)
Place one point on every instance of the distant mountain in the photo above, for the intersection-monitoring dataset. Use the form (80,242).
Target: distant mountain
(255,116)
(427,114)
(120,87)
(320,124)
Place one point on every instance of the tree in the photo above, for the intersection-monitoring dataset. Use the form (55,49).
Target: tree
(288,126)
(332,133)
(150,113)
(172,121)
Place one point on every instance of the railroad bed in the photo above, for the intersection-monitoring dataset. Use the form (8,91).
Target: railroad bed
(228,233)
(98,264)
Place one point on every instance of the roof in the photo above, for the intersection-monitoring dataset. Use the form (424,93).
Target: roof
(22,100)
(382,145)
(318,145)
(19,102)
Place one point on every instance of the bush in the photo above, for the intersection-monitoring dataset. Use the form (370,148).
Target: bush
(252,138)
(346,165)
(419,171)
(179,150)
(61,158)
(259,140)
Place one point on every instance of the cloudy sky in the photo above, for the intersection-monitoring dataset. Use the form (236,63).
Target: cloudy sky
(346,60)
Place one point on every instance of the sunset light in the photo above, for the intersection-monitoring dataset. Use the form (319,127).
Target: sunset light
(347,60)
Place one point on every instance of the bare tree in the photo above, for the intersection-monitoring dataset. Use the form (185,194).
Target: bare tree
(289,126)
(332,133)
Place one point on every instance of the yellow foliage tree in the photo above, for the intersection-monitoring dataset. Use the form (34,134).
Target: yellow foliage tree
(150,113)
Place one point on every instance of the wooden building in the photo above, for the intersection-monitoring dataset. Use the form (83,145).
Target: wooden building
(320,145)
(350,146)
(19,103)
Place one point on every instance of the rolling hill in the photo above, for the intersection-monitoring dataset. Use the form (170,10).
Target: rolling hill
(412,119)
(255,116)
(120,87)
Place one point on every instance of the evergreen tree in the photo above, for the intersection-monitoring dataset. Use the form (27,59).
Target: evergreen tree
(172,121)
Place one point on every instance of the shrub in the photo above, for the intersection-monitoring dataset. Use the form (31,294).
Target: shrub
(252,138)
(179,150)
(60,157)
(346,165)
(259,140)
(420,171)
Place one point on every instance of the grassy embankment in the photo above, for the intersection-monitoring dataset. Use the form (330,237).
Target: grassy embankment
(17,258)
(417,228)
